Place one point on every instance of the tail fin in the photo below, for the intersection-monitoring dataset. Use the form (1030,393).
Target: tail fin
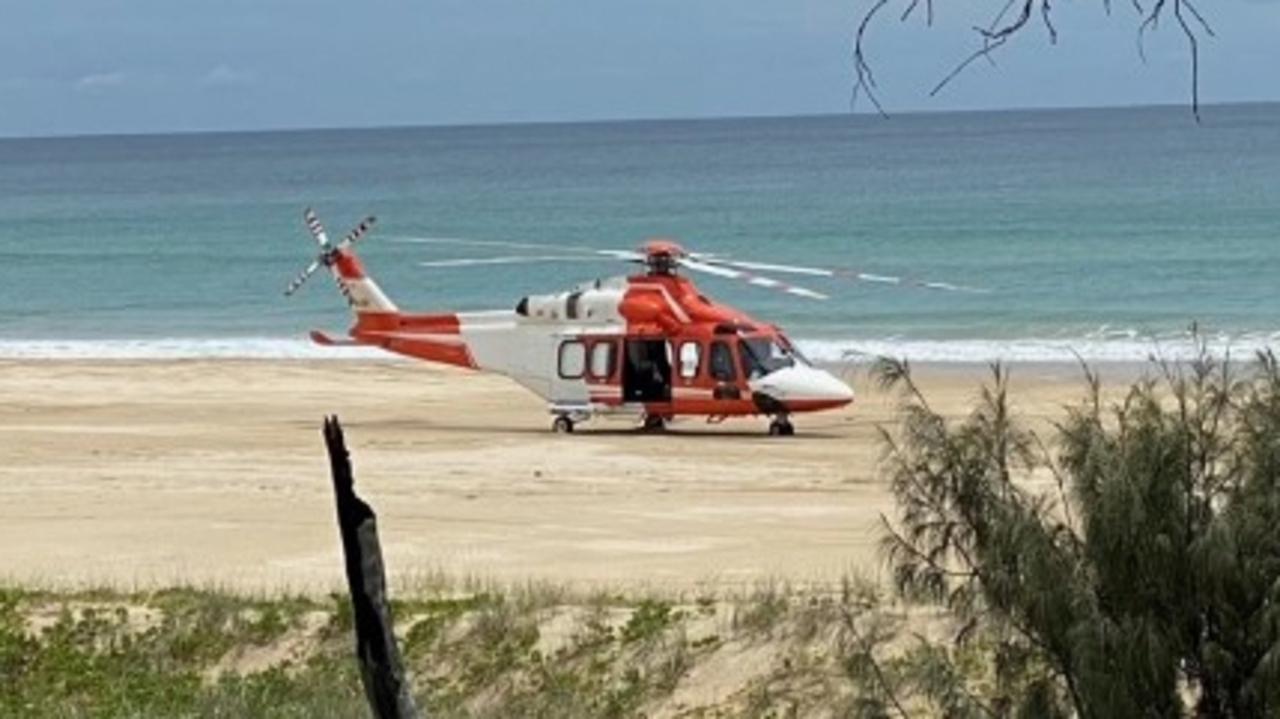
(363,294)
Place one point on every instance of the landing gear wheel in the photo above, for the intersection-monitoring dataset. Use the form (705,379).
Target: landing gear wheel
(654,423)
(562,425)
(781,427)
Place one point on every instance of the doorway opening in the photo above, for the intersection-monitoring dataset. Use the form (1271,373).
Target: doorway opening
(646,372)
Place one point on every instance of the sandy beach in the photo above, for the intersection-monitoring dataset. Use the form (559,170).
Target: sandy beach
(142,473)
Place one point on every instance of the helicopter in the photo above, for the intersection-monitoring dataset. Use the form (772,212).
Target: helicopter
(650,345)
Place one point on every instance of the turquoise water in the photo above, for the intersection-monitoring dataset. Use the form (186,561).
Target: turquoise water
(1098,231)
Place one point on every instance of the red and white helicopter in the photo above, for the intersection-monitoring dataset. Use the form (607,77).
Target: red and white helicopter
(650,345)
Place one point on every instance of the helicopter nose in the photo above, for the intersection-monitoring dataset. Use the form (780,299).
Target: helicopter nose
(802,389)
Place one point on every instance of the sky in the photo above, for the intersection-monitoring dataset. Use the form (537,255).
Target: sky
(132,66)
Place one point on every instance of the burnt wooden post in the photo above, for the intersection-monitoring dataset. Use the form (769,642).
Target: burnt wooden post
(380,668)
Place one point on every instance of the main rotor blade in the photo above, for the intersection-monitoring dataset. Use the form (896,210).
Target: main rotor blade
(509,260)
(758,280)
(838,273)
(494,243)
(317,229)
(751,278)
(360,231)
(302,277)
(617,254)
(707,263)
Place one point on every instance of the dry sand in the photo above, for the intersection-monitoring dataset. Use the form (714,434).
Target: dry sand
(213,472)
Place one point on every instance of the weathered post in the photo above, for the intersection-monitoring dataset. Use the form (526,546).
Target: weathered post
(380,668)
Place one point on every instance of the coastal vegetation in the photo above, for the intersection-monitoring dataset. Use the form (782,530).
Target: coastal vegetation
(1124,562)
(470,650)
(1140,576)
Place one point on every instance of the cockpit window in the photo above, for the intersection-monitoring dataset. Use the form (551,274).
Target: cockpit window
(762,355)
(720,363)
(795,351)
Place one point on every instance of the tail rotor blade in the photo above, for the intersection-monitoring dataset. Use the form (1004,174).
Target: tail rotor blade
(316,229)
(360,230)
(750,278)
(302,277)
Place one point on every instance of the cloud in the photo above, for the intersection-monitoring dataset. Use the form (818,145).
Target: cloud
(101,81)
(225,75)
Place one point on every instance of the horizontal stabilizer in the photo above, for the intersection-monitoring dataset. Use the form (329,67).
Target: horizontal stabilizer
(321,338)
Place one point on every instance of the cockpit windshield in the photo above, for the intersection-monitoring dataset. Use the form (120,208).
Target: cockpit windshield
(762,355)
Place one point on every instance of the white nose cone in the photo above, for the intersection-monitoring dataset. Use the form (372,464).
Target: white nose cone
(800,388)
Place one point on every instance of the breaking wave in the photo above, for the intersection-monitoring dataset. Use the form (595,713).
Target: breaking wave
(181,348)
(1104,345)
(1111,346)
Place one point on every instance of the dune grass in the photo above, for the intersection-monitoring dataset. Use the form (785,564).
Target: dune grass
(471,652)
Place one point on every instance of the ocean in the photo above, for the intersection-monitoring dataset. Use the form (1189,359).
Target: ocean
(1102,233)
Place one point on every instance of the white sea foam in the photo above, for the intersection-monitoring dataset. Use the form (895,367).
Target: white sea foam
(1096,347)
(181,348)
(1119,348)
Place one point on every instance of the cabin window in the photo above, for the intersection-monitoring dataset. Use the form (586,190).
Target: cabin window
(603,356)
(573,359)
(690,358)
(721,362)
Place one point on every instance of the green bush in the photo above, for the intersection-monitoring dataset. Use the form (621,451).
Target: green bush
(1146,582)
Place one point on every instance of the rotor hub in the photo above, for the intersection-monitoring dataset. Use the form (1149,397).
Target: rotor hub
(662,255)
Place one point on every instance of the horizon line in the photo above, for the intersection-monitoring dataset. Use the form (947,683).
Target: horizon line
(853,114)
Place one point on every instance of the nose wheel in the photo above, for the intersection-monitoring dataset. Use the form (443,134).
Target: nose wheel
(781,427)
(562,424)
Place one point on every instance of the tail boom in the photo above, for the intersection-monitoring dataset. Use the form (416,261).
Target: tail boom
(430,337)
(433,338)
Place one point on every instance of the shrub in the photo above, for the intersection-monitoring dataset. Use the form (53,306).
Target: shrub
(1147,582)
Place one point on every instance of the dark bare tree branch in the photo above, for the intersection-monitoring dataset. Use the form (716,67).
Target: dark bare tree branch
(1004,28)
(866,81)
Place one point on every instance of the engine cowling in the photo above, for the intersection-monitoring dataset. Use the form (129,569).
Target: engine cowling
(591,306)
